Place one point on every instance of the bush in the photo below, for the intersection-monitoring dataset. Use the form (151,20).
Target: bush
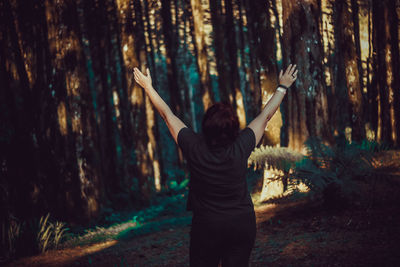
(280,158)
(29,238)
(332,172)
(49,235)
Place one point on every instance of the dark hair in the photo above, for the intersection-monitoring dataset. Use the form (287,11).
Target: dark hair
(220,125)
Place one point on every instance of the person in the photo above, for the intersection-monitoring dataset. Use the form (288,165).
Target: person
(223,224)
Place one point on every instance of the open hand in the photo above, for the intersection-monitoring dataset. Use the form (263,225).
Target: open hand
(288,77)
(143,80)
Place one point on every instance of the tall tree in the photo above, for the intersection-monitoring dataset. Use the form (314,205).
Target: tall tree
(221,47)
(171,41)
(305,111)
(372,94)
(194,99)
(383,68)
(171,46)
(264,49)
(393,20)
(201,53)
(356,28)
(346,74)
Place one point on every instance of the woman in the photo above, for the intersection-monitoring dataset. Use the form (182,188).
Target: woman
(223,224)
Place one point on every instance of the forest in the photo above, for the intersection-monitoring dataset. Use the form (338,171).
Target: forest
(80,141)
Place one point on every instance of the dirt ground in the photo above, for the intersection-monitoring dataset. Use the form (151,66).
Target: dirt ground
(288,234)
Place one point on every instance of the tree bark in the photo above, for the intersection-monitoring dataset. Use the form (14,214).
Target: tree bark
(266,62)
(220,45)
(383,72)
(201,54)
(395,64)
(347,76)
(306,111)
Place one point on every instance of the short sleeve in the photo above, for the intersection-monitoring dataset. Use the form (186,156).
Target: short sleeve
(246,141)
(186,138)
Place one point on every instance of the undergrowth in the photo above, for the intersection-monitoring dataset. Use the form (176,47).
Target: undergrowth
(166,212)
(332,173)
(30,237)
(25,238)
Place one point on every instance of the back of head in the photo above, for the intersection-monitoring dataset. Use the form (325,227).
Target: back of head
(220,125)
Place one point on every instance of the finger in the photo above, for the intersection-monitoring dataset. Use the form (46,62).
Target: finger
(293,69)
(148,72)
(287,70)
(138,82)
(280,74)
(138,72)
(295,73)
(136,76)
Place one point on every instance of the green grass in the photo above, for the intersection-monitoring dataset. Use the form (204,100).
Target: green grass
(169,213)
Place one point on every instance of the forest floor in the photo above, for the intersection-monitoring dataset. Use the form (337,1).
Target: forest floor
(289,233)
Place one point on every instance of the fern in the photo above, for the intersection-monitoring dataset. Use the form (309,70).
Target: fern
(44,234)
(49,235)
(59,231)
(332,171)
(280,158)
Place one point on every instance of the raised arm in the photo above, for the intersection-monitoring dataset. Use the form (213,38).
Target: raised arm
(286,79)
(173,122)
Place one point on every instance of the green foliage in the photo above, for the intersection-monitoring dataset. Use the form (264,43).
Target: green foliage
(154,226)
(176,187)
(44,234)
(174,174)
(371,145)
(59,231)
(48,235)
(30,237)
(332,172)
(136,223)
(281,158)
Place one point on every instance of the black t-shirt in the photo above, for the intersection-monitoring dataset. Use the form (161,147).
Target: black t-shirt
(217,186)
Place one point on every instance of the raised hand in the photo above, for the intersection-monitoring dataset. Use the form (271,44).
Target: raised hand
(143,80)
(288,77)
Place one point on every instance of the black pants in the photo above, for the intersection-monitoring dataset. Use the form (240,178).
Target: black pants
(229,240)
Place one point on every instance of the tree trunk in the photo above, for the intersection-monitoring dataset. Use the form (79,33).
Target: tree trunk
(347,76)
(237,96)
(265,56)
(306,111)
(160,127)
(220,46)
(171,41)
(254,66)
(201,54)
(383,73)
(395,64)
